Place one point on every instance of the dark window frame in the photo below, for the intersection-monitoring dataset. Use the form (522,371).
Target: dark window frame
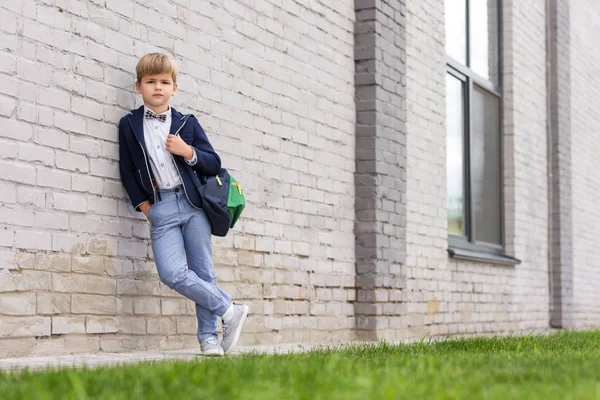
(470,79)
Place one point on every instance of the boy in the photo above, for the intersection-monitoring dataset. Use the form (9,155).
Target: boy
(160,151)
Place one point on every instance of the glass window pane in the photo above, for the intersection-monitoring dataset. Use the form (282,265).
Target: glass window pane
(485,166)
(456,30)
(454,160)
(483,15)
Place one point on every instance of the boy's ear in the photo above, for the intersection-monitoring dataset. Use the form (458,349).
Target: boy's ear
(137,87)
(175,86)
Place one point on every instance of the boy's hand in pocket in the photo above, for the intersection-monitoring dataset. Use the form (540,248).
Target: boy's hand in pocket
(145,207)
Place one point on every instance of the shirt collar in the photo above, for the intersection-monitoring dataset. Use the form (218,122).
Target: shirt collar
(167,113)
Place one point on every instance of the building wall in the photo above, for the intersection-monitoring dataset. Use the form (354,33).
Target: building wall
(277,86)
(585,136)
(443,295)
(273,85)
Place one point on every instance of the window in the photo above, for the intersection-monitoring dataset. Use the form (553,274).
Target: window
(473,112)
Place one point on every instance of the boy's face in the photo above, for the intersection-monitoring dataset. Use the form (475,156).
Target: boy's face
(156,90)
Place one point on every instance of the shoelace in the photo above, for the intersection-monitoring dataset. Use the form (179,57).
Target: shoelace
(211,341)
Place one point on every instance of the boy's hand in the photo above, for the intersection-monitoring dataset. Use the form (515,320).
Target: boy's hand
(145,207)
(176,145)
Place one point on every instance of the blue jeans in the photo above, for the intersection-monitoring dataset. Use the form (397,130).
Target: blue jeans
(181,242)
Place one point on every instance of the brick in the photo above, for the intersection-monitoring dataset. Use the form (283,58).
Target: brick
(92,304)
(16,216)
(85,223)
(51,138)
(31,153)
(123,7)
(102,206)
(9,85)
(87,108)
(8,63)
(24,327)
(72,162)
(53,17)
(69,81)
(91,148)
(33,72)
(104,168)
(102,325)
(69,122)
(27,93)
(33,240)
(186,326)
(31,196)
(53,178)
(65,325)
(53,303)
(146,305)
(16,130)
(54,98)
(100,92)
(47,220)
(102,246)
(7,106)
(18,304)
(174,306)
(83,183)
(73,7)
(129,248)
(132,325)
(161,326)
(45,116)
(8,192)
(69,202)
(91,69)
(9,21)
(82,344)
(88,265)
(73,244)
(102,130)
(117,228)
(76,283)
(27,112)
(57,59)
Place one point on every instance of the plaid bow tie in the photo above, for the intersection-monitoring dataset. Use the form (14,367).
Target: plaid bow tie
(161,117)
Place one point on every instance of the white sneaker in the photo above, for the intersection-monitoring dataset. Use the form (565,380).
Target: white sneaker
(210,347)
(233,327)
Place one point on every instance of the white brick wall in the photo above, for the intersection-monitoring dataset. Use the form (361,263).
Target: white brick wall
(445,296)
(585,134)
(272,84)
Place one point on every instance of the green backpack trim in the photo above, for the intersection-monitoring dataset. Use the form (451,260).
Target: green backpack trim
(236,201)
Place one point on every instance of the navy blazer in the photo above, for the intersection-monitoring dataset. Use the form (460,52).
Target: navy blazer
(136,173)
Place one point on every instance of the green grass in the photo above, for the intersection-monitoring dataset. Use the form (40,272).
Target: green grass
(560,366)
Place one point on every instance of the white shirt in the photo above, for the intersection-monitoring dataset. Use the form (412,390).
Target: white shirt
(161,161)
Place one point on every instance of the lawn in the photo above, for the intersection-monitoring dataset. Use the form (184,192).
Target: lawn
(560,366)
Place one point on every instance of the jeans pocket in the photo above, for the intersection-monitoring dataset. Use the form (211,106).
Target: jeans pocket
(151,213)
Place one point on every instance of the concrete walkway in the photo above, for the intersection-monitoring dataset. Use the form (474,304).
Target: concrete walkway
(113,359)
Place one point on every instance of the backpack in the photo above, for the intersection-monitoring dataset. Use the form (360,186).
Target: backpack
(222,201)
(222,198)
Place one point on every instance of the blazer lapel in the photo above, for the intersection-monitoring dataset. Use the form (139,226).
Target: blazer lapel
(177,119)
(137,122)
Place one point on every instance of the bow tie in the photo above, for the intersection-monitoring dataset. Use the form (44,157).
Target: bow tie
(161,117)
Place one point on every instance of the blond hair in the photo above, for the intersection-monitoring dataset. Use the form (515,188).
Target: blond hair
(155,64)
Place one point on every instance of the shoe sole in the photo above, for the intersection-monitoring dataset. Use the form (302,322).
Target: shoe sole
(214,353)
(238,331)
